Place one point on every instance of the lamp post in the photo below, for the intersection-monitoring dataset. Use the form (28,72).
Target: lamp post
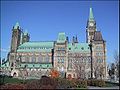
(62,72)
(90,45)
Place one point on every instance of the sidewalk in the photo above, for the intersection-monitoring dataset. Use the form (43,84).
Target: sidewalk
(92,87)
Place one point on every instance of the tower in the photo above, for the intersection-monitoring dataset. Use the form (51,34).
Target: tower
(60,53)
(25,37)
(16,34)
(91,27)
(15,42)
(99,55)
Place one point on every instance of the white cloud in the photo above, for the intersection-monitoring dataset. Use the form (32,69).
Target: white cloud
(3,50)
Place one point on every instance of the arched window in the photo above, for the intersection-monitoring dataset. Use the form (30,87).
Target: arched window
(33,58)
(70,63)
(23,59)
(40,58)
(27,59)
(47,58)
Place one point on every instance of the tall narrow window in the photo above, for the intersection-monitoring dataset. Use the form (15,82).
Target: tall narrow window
(33,58)
(27,59)
(40,58)
(47,58)
(23,59)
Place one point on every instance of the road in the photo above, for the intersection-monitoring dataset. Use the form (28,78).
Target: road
(92,87)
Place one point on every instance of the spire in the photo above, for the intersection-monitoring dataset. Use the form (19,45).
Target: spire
(16,26)
(91,17)
(26,32)
(67,39)
(76,40)
(73,40)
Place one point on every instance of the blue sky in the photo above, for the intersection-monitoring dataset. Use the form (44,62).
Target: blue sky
(45,19)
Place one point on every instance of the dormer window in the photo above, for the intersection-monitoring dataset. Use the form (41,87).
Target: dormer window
(69,48)
(82,48)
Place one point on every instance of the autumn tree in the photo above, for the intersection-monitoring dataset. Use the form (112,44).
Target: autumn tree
(54,73)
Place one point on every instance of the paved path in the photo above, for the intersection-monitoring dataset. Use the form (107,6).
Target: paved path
(92,87)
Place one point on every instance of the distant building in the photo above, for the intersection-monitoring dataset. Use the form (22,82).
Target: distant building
(69,58)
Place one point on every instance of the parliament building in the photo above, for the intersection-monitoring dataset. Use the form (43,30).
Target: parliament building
(71,58)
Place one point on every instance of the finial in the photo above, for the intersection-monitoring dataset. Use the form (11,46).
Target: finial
(26,32)
(16,26)
(91,17)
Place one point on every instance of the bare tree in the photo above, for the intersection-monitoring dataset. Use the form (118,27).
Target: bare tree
(116,58)
(79,69)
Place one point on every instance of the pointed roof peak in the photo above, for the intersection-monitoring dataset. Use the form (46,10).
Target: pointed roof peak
(16,26)
(26,32)
(91,17)
(61,37)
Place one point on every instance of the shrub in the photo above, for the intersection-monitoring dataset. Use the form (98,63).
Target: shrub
(95,82)
(62,83)
(82,83)
(88,82)
(101,83)
(44,83)
(34,84)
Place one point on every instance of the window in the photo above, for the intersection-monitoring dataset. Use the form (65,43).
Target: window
(90,33)
(75,47)
(27,59)
(101,54)
(82,48)
(23,59)
(62,60)
(70,64)
(33,58)
(58,60)
(99,60)
(47,58)
(39,59)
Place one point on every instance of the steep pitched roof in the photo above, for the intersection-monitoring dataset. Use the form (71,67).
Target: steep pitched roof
(42,46)
(97,36)
(16,25)
(91,17)
(61,37)
(78,47)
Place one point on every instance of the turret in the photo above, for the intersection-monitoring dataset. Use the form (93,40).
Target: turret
(16,34)
(25,37)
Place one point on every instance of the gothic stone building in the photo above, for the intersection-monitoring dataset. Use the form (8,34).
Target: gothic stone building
(69,58)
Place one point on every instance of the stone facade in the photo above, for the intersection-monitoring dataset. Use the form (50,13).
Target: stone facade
(34,59)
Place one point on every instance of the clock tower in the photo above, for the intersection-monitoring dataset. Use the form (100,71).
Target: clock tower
(91,27)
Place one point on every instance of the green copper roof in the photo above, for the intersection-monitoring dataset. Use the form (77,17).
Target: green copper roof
(78,47)
(91,14)
(5,64)
(16,25)
(42,46)
(61,37)
(47,65)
